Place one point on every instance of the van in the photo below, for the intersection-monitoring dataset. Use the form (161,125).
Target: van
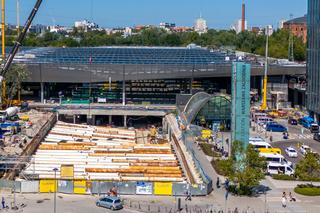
(255,115)
(270,150)
(275,158)
(264,120)
(256,139)
(278,168)
(260,144)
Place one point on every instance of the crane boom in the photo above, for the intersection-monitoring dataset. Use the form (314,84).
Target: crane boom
(20,39)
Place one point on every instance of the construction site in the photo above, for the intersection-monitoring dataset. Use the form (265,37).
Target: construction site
(54,156)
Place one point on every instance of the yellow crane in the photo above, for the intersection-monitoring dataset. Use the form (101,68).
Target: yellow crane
(264,105)
(7,61)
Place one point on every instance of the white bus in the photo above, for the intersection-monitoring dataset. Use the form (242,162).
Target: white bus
(275,158)
(278,168)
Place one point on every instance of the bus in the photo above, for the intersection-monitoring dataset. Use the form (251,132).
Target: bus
(278,168)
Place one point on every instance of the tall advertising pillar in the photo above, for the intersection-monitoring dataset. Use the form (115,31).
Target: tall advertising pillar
(240,102)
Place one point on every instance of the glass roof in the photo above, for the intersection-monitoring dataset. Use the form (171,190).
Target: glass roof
(121,55)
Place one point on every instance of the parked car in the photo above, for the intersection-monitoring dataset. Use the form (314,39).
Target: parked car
(275,127)
(304,149)
(316,136)
(110,202)
(291,152)
(292,121)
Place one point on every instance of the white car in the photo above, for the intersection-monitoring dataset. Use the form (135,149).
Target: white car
(291,152)
(304,149)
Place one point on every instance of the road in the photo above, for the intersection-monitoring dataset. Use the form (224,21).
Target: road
(39,203)
(295,131)
(314,145)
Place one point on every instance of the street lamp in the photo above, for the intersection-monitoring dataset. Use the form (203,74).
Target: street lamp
(55,190)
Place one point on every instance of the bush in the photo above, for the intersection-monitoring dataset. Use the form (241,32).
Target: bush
(283,177)
(307,190)
(241,190)
(207,149)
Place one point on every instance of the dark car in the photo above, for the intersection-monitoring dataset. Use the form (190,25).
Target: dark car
(110,202)
(316,136)
(293,121)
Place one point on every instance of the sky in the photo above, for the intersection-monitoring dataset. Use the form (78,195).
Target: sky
(220,14)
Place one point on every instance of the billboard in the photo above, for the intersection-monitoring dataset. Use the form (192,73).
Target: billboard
(240,102)
(144,188)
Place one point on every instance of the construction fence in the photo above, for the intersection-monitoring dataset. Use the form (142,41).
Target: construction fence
(103,187)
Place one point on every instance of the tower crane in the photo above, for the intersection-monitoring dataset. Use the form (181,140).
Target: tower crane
(8,61)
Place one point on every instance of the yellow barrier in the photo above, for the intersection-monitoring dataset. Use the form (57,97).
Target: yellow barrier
(66,171)
(163,188)
(79,187)
(47,186)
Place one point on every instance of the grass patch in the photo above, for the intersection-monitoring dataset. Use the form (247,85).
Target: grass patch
(219,166)
(207,149)
(307,190)
(283,177)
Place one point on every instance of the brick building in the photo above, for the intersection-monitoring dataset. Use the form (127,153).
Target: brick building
(298,27)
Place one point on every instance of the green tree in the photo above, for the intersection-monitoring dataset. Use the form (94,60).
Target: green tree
(309,167)
(13,79)
(245,167)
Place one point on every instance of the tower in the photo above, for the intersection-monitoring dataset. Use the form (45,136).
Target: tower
(243,18)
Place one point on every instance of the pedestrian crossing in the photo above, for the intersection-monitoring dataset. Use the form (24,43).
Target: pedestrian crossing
(300,136)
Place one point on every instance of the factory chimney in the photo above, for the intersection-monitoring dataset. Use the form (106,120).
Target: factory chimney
(243,19)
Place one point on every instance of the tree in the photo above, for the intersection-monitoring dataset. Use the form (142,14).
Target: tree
(13,79)
(247,168)
(309,167)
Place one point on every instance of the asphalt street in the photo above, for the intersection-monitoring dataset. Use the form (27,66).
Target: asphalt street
(314,145)
(297,135)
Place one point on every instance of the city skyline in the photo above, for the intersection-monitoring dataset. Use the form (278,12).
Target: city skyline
(182,13)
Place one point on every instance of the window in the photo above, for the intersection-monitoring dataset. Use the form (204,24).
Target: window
(273,168)
(117,201)
(109,200)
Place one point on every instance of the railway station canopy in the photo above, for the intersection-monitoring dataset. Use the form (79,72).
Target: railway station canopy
(212,109)
(98,64)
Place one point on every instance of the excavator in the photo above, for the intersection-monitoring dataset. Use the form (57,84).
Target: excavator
(8,61)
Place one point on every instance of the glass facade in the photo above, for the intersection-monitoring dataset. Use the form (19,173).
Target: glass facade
(313,63)
(216,111)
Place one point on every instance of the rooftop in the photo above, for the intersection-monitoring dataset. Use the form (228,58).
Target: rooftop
(121,55)
(299,20)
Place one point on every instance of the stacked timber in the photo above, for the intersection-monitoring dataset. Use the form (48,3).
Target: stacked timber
(101,153)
